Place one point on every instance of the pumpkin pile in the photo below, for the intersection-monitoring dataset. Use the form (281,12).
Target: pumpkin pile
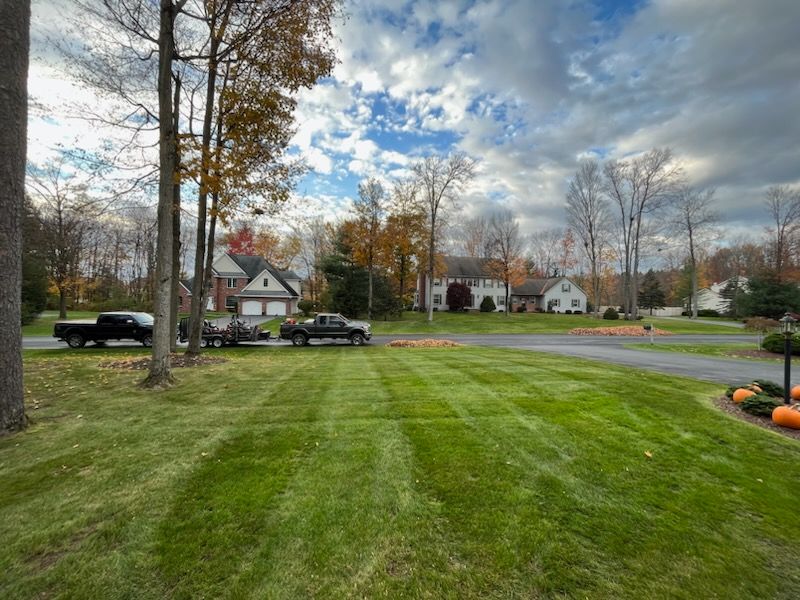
(765,399)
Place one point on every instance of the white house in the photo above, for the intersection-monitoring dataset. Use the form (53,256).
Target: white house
(710,298)
(558,293)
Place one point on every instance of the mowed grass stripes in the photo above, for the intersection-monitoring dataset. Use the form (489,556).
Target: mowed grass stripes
(336,472)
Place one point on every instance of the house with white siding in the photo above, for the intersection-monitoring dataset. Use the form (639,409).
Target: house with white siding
(559,294)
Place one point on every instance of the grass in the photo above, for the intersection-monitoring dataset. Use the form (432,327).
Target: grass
(342,472)
(476,322)
(719,350)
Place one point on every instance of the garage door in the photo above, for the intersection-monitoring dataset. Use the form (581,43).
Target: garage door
(251,307)
(276,308)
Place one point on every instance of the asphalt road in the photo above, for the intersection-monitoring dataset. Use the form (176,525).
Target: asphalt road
(607,349)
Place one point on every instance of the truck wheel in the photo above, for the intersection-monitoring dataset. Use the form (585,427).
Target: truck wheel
(147,340)
(299,339)
(76,340)
(357,339)
(203,342)
(217,342)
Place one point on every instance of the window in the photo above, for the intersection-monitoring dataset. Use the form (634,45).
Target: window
(335,322)
(437,281)
(576,303)
(555,302)
(565,287)
(471,282)
(231,283)
(437,299)
(501,301)
(231,302)
(471,300)
(488,283)
(323,320)
(266,282)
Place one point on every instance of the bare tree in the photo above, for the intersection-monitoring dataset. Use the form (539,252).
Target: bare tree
(439,180)
(639,188)
(475,237)
(544,251)
(160,374)
(370,208)
(693,222)
(783,204)
(587,214)
(14,41)
(505,252)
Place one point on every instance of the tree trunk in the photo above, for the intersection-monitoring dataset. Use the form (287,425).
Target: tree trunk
(431,252)
(176,225)
(160,372)
(14,42)
(62,303)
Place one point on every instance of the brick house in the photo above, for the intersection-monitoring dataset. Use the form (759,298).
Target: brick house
(248,285)
(556,293)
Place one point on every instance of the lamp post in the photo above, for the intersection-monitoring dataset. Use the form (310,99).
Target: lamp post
(788,327)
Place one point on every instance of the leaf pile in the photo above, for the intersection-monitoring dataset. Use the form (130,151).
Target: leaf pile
(428,343)
(631,330)
(176,360)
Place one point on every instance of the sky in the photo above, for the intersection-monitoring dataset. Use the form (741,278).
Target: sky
(528,89)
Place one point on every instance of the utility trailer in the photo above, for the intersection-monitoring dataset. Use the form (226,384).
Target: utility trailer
(236,332)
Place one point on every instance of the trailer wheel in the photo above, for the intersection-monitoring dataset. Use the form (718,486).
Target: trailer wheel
(217,342)
(76,340)
(299,339)
(203,342)
(357,339)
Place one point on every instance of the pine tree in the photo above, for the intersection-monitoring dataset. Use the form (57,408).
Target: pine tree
(650,293)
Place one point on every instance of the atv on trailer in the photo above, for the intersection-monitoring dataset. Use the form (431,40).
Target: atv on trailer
(235,333)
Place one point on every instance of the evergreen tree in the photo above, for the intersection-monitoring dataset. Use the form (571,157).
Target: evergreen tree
(650,293)
(34,265)
(768,296)
(732,294)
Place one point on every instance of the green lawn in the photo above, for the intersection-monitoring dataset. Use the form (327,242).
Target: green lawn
(720,350)
(476,322)
(341,472)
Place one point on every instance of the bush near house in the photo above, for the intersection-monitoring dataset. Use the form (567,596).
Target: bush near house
(611,314)
(487,304)
(458,296)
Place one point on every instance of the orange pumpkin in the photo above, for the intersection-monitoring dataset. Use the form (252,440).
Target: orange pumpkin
(786,416)
(741,394)
(795,393)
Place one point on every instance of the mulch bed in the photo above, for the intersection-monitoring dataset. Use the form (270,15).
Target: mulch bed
(176,361)
(626,330)
(423,344)
(730,407)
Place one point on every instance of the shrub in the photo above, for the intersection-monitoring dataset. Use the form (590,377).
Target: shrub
(487,304)
(707,312)
(307,307)
(521,308)
(577,312)
(611,314)
(770,389)
(774,342)
(760,324)
(458,296)
(760,405)
(568,311)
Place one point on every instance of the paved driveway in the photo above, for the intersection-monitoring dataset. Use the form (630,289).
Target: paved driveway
(608,349)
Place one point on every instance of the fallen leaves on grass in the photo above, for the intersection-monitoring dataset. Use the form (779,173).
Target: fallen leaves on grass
(429,343)
(627,330)
(176,360)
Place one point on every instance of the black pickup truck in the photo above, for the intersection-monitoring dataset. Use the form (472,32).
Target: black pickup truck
(136,326)
(325,325)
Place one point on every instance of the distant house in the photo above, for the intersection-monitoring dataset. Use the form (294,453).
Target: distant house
(710,298)
(248,285)
(557,293)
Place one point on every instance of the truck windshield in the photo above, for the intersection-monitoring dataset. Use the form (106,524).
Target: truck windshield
(143,318)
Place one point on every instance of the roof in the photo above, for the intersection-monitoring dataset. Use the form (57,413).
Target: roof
(255,265)
(464,266)
(535,287)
